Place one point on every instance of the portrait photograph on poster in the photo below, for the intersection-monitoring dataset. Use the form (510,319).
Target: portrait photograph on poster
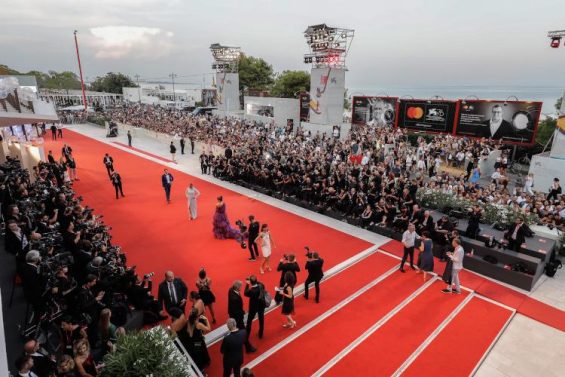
(374,111)
(261,110)
(510,122)
(426,115)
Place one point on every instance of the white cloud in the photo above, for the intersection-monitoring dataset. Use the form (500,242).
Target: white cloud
(116,42)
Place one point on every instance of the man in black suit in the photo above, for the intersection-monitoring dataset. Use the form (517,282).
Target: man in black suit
(51,158)
(172,293)
(42,364)
(117,183)
(16,241)
(109,164)
(232,349)
(516,235)
(496,127)
(255,291)
(228,153)
(32,281)
(181,141)
(235,310)
(314,266)
(191,144)
(167,181)
(253,233)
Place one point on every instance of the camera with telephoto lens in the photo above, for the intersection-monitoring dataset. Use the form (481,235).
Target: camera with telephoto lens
(149,275)
(309,254)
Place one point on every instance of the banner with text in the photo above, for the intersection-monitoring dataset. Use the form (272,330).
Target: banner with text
(374,111)
(513,122)
(427,116)
(304,106)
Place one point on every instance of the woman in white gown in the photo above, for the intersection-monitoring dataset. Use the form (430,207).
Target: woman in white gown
(192,194)
(266,244)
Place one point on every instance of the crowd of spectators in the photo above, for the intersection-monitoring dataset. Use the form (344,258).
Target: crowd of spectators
(372,175)
(79,289)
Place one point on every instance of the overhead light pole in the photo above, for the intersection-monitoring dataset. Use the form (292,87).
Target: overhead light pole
(80,71)
(138,89)
(172,76)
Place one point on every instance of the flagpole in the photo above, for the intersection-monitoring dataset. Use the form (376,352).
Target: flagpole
(80,71)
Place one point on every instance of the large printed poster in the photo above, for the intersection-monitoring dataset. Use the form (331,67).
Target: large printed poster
(227,86)
(374,111)
(427,116)
(327,88)
(511,122)
(209,97)
(304,106)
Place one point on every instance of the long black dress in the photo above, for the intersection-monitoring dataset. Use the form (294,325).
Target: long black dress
(196,347)
(205,293)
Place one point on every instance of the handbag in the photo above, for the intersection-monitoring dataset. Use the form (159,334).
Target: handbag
(265,296)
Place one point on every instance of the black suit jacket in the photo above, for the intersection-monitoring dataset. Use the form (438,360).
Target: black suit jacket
(42,365)
(254,294)
(32,283)
(164,296)
(505,129)
(232,347)
(314,268)
(253,230)
(13,244)
(284,267)
(520,235)
(235,307)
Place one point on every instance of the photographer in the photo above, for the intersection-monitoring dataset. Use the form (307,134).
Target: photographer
(139,294)
(314,266)
(71,238)
(255,290)
(32,280)
(286,264)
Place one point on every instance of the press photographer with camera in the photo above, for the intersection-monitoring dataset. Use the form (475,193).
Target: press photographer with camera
(286,264)
(255,290)
(314,265)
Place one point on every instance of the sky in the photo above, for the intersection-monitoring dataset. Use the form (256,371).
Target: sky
(397,43)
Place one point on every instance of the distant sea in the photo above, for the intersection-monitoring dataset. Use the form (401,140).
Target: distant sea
(546,94)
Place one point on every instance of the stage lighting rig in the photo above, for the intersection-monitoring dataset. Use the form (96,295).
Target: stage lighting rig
(226,58)
(556,36)
(328,45)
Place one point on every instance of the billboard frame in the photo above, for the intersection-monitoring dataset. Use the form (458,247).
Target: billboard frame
(396,107)
(455,119)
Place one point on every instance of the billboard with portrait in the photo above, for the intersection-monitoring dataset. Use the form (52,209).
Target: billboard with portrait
(513,122)
(427,115)
(327,89)
(260,110)
(374,111)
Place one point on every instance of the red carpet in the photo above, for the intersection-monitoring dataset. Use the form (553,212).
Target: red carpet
(385,350)
(340,329)
(458,349)
(333,290)
(524,304)
(158,237)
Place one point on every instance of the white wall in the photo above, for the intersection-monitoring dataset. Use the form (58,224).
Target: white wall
(283,109)
(546,168)
(228,91)
(327,89)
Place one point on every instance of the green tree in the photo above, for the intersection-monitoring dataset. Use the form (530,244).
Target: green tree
(40,77)
(61,80)
(5,70)
(546,128)
(558,103)
(254,73)
(288,83)
(112,83)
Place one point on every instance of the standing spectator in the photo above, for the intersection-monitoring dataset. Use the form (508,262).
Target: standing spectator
(109,164)
(191,144)
(117,183)
(129,138)
(172,293)
(72,164)
(192,195)
(554,190)
(173,151)
(232,349)
(426,256)
(66,151)
(314,266)
(167,181)
(60,130)
(203,162)
(196,326)
(181,145)
(252,235)
(287,292)
(51,158)
(53,129)
(70,334)
(408,240)
(516,235)
(457,259)
(255,290)
(529,184)
(235,311)
(203,283)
